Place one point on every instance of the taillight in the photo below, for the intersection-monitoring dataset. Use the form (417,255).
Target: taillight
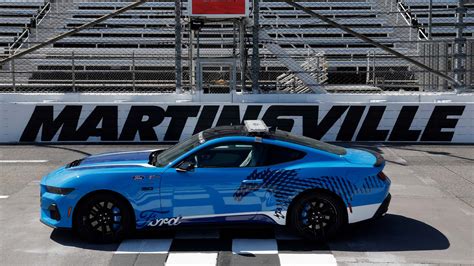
(382,176)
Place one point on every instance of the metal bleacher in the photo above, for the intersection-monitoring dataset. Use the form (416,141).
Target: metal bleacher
(147,34)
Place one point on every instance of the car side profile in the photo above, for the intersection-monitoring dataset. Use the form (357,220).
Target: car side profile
(224,175)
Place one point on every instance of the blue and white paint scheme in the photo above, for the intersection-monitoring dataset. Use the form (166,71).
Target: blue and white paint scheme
(174,187)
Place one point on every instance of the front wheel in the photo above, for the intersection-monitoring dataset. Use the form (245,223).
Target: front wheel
(317,216)
(103,218)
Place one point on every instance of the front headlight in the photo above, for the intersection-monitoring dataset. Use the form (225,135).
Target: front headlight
(59,190)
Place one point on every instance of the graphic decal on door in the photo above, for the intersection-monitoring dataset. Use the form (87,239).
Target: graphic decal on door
(154,219)
(285,185)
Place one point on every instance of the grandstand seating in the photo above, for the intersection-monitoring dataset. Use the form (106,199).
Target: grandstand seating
(151,26)
(16,19)
(138,46)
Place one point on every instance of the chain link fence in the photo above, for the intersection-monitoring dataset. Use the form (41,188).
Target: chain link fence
(135,51)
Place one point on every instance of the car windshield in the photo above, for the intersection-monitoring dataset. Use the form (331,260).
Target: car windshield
(177,150)
(309,142)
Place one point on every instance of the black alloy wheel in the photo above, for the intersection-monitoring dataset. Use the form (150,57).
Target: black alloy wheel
(103,218)
(317,216)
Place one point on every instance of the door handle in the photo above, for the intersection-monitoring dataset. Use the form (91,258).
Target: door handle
(254,181)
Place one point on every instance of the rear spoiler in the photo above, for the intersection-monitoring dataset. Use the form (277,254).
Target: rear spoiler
(379,158)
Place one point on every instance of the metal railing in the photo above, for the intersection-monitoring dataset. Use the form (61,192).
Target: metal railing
(42,13)
(21,39)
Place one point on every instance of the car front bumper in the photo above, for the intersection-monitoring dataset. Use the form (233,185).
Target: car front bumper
(56,210)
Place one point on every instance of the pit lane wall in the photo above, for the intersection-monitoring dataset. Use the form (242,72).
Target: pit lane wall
(76,118)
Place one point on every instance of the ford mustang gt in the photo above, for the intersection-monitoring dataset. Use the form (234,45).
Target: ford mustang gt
(229,174)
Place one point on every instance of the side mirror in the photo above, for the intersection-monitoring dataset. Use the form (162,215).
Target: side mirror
(185,167)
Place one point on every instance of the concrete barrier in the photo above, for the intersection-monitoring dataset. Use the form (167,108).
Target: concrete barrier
(445,121)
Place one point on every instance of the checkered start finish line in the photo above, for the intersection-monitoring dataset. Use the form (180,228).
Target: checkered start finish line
(223,247)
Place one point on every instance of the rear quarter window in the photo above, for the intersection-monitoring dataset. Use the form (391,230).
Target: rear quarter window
(309,142)
(274,154)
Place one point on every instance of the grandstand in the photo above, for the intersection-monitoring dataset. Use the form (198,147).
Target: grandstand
(135,50)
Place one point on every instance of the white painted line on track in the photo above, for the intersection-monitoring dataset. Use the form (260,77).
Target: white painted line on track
(398,159)
(254,246)
(292,259)
(191,259)
(23,161)
(425,179)
(468,213)
(4,197)
(144,246)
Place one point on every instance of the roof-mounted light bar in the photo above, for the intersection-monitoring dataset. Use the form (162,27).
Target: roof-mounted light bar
(256,126)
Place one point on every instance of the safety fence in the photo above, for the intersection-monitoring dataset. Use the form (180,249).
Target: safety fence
(136,52)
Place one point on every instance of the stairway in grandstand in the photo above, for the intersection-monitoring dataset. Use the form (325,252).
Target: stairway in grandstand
(347,56)
(301,78)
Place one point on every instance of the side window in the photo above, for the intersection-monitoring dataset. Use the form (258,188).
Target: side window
(276,155)
(229,155)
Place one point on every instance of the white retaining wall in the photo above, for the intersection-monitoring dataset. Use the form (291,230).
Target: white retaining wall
(77,118)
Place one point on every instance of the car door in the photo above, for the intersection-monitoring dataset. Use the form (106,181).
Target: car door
(280,169)
(215,189)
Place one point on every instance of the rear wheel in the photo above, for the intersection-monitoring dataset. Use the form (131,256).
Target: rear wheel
(103,218)
(317,216)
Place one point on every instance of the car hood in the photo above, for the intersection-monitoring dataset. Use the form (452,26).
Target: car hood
(113,159)
(364,156)
(118,162)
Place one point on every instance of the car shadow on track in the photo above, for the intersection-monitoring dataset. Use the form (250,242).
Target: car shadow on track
(68,238)
(390,233)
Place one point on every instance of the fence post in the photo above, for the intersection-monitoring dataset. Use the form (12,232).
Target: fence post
(367,74)
(374,75)
(255,47)
(73,72)
(133,70)
(12,67)
(243,57)
(430,20)
(460,43)
(177,7)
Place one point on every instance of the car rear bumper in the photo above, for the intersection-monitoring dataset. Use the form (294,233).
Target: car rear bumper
(382,210)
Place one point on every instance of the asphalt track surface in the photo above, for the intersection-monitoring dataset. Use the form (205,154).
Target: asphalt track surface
(430,220)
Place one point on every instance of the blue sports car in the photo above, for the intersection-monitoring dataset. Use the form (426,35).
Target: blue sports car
(229,174)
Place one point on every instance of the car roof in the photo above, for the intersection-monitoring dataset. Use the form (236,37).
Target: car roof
(240,130)
(225,131)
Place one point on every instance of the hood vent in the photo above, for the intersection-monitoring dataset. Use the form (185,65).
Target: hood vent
(74,163)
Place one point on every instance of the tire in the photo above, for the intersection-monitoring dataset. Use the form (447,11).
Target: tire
(103,218)
(317,216)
